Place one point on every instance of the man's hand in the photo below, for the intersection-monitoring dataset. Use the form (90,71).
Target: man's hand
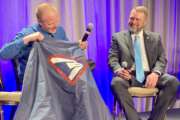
(124,74)
(37,36)
(83,44)
(151,80)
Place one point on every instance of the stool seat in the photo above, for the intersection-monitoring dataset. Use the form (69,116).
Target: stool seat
(10,98)
(136,92)
(143,92)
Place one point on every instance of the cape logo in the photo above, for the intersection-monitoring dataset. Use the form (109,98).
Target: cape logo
(69,69)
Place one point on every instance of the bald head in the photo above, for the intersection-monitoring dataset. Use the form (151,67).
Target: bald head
(48,17)
(44,8)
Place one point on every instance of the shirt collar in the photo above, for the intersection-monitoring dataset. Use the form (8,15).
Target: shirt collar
(140,34)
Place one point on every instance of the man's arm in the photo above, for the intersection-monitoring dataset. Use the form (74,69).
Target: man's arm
(114,55)
(114,61)
(159,68)
(161,61)
(12,49)
(22,39)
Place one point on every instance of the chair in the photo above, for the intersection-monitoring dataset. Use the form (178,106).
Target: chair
(8,98)
(136,92)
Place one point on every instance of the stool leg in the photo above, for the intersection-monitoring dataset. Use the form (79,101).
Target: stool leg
(114,109)
(117,113)
(1,113)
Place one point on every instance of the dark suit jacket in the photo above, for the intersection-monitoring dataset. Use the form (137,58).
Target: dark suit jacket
(122,50)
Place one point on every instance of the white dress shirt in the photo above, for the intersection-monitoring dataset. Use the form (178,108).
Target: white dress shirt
(143,50)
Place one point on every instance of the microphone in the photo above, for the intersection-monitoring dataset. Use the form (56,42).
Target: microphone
(124,64)
(87,32)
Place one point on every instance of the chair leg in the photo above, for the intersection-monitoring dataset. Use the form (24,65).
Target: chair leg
(115,109)
(1,113)
(117,112)
(165,117)
(120,115)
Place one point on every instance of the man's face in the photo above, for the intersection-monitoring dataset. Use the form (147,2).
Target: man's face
(49,21)
(137,21)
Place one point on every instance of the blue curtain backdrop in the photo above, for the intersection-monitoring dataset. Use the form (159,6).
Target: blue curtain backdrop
(108,16)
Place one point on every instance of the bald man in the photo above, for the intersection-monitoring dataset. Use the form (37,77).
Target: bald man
(47,26)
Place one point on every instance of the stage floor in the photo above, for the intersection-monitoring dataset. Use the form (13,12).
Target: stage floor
(173,114)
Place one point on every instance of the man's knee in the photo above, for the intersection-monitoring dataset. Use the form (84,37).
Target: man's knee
(172,83)
(119,83)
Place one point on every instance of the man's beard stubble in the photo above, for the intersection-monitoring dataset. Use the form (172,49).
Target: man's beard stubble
(135,30)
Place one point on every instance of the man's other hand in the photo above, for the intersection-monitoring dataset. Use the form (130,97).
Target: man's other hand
(37,36)
(151,80)
(124,74)
(83,44)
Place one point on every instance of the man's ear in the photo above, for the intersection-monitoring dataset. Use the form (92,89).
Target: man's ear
(130,23)
(39,22)
(145,21)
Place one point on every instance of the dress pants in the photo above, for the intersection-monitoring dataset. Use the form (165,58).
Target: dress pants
(167,85)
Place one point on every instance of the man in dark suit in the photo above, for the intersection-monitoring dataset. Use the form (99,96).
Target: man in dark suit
(147,65)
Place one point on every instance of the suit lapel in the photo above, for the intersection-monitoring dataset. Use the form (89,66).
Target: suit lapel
(130,44)
(147,44)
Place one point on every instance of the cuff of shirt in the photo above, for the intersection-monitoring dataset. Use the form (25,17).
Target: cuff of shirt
(20,43)
(157,72)
(117,70)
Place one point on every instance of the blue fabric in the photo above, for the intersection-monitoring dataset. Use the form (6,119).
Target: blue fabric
(18,50)
(49,94)
(138,60)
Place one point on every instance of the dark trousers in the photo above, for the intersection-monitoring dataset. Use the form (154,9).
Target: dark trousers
(167,85)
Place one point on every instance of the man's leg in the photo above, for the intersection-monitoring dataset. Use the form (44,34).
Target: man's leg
(168,86)
(120,90)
